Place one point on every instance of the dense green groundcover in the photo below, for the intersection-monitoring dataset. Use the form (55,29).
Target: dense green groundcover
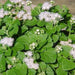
(51,42)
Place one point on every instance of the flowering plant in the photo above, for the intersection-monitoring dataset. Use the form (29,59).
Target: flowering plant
(36,40)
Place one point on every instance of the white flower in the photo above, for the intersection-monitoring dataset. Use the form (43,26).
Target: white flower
(2,13)
(32,46)
(28,2)
(72,52)
(58,48)
(27,16)
(6,13)
(9,66)
(9,5)
(15,1)
(49,16)
(30,63)
(20,14)
(46,6)
(72,19)
(29,53)
(37,31)
(7,41)
(23,2)
(1,10)
(73,46)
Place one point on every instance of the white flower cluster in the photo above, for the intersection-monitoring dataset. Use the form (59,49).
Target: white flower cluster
(27,16)
(7,41)
(9,5)
(72,52)
(49,16)
(33,46)
(20,14)
(46,6)
(24,16)
(58,48)
(15,1)
(72,19)
(3,13)
(39,31)
(28,53)
(30,61)
(66,42)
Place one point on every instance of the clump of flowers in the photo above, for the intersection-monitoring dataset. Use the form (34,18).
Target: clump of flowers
(7,41)
(30,61)
(48,17)
(36,39)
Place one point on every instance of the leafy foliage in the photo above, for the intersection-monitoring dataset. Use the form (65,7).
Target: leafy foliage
(50,43)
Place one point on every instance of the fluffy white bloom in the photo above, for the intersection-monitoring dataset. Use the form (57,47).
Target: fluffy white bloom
(64,42)
(72,52)
(9,5)
(23,2)
(6,13)
(30,63)
(32,46)
(27,16)
(49,16)
(20,14)
(15,1)
(1,10)
(46,6)
(73,46)
(7,41)
(2,13)
(29,53)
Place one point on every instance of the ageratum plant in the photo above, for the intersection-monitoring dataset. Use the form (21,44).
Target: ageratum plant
(36,40)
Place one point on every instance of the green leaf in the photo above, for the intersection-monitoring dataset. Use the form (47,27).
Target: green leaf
(34,12)
(8,52)
(66,50)
(41,40)
(20,69)
(49,55)
(13,31)
(16,22)
(67,64)
(2,63)
(42,66)
(18,46)
(72,37)
(60,71)
(20,55)
(49,71)
(10,72)
(31,72)
(63,37)
(41,23)
(55,38)
(24,28)
(2,32)
(31,22)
